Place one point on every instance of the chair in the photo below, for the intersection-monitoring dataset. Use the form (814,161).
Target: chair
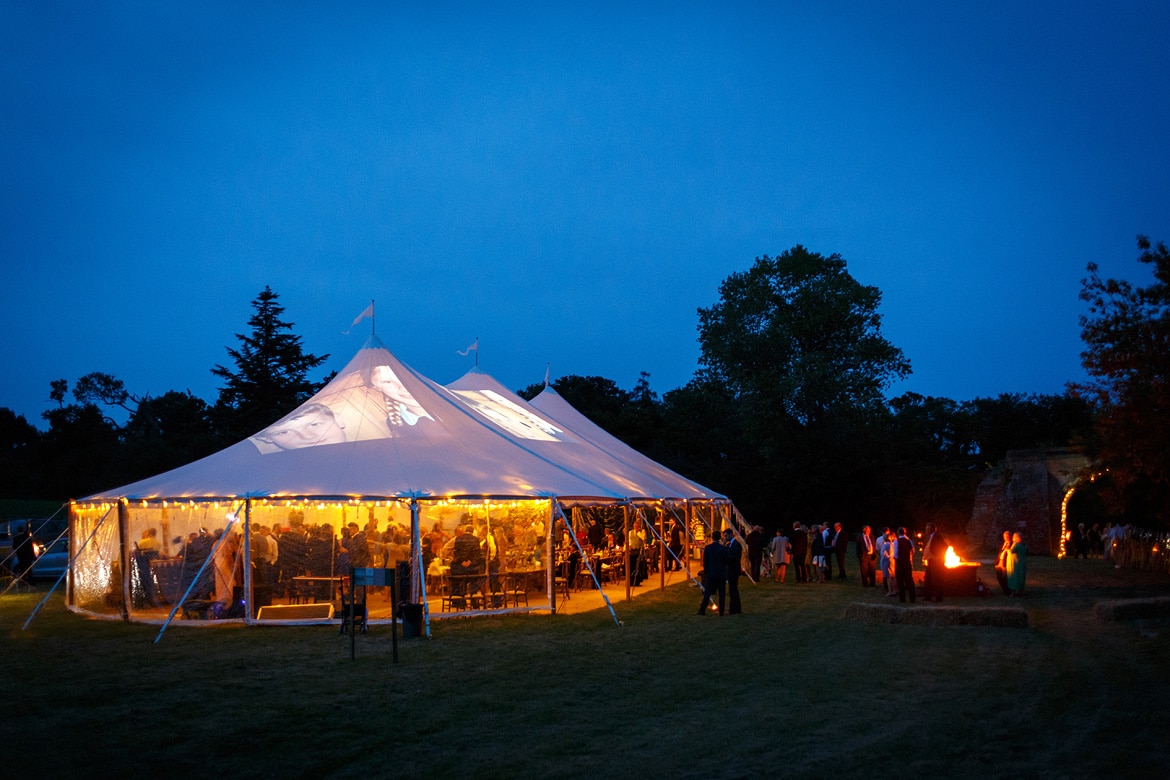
(514,589)
(584,579)
(449,600)
(562,584)
(359,608)
(497,590)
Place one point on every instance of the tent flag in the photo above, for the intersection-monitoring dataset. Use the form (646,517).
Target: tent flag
(366,312)
(472,347)
(547,371)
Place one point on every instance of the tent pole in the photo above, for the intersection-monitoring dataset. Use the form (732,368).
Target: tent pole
(626,531)
(662,542)
(418,576)
(687,546)
(68,568)
(248,592)
(550,556)
(661,546)
(124,558)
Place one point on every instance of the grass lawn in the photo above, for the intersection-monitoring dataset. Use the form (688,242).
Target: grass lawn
(789,689)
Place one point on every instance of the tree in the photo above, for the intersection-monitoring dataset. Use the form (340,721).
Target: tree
(1127,356)
(18,440)
(795,344)
(166,432)
(96,387)
(798,336)
(79,454)
(271,375)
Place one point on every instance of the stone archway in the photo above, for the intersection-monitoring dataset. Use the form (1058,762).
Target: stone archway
(1027,493)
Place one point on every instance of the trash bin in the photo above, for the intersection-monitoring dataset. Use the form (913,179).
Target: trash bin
(412,617)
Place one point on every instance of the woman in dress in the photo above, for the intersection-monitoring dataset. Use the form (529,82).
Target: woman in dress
(1017,565)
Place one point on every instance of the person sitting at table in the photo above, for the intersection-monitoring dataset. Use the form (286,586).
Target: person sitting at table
(148,545)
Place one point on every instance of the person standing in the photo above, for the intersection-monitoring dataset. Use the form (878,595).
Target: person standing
(799,544)
(933,560)
(779,549)
(596,534)
(1017,565)
(840,545)
(904,566)
(825,531)
(675,547)
(755,547)
(734,569)
(1001,563)
(714,574)
(867,557)
(886,551)
(26,555)
(358,547)
(818,572)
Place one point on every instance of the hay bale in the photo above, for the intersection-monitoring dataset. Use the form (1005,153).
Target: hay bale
(1133,609)
(1003,617)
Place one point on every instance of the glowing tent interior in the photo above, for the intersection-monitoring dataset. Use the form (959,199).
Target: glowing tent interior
(467,490)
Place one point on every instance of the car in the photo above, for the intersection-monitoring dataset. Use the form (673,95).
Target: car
(51,561)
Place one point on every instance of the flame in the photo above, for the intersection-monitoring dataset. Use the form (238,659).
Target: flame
(952,559)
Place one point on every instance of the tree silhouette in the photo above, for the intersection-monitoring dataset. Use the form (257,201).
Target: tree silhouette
(1127,356)
(271,375)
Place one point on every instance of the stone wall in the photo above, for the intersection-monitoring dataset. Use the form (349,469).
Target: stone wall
(1024,494)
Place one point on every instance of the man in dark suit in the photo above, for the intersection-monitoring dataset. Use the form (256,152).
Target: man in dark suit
(799,541)
(867,557)
(755,546)
(840,545)
(934,551)
(904,566)
(734,569)
(25,553)
(714,574)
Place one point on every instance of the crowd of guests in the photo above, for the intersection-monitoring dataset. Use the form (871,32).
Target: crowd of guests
(817,554)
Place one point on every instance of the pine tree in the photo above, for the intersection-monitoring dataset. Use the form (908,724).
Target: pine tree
(271,373)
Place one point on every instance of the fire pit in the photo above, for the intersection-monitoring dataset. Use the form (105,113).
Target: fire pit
(960,578)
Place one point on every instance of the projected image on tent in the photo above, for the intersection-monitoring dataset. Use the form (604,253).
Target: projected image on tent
(512,418)
(360,406)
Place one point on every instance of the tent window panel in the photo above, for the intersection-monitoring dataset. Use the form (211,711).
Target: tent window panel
(157,536)
(484,554)
(97,572)
(170,555)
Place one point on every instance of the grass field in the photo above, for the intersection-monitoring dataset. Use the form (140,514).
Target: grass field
(789,689)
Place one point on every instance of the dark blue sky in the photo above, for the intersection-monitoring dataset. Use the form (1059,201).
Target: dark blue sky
(568,183)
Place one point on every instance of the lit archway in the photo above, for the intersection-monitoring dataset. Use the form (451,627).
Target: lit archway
(1065,534)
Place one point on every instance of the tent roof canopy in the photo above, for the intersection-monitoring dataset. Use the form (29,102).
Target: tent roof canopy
(380,430)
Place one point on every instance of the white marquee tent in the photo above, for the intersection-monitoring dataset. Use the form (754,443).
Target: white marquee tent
(413,465)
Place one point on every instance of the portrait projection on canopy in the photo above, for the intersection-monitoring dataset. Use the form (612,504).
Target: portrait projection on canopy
(510,416)
(366,404)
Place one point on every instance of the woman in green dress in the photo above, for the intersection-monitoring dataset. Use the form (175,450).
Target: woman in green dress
(1017,565)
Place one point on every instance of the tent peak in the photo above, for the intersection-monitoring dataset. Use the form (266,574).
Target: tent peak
(373,342)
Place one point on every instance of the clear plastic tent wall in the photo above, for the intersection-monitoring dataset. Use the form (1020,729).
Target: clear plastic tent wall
(281,559)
